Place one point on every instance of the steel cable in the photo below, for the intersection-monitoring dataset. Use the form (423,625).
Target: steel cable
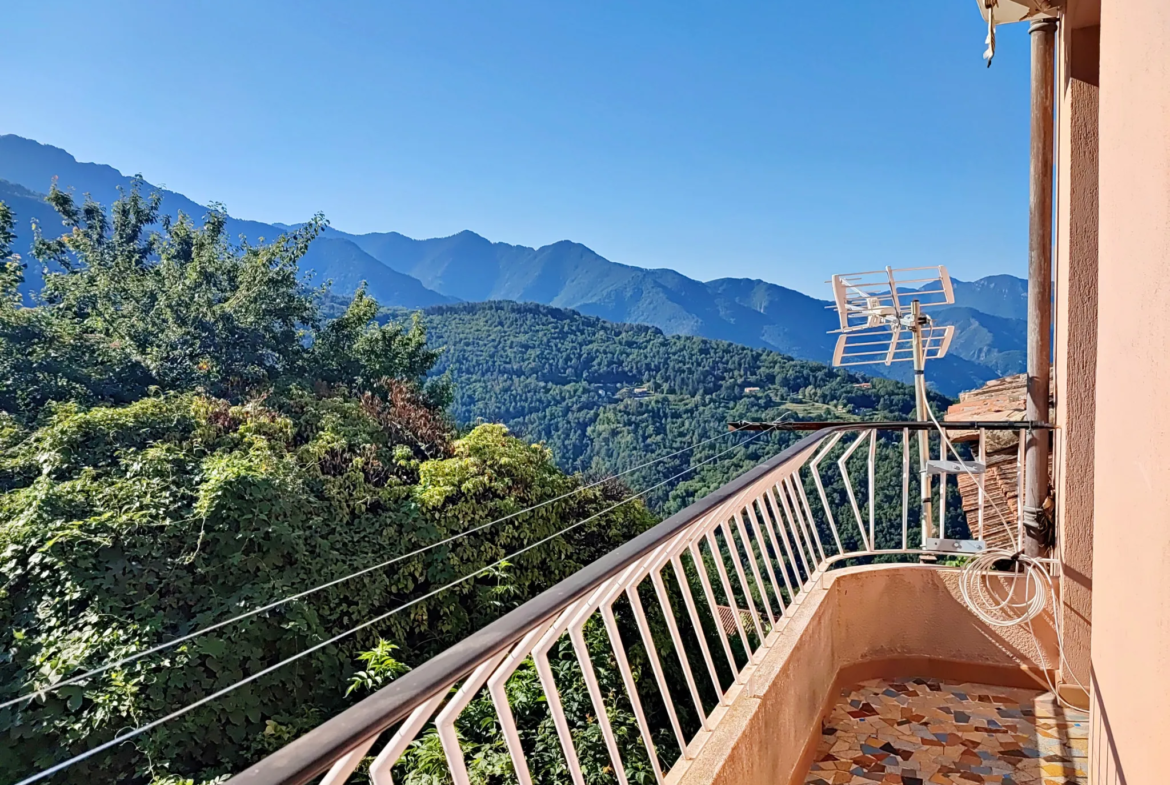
(370,622)
(307,592)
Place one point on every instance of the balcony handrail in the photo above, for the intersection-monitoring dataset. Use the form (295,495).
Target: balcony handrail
(357,727)
(892,425)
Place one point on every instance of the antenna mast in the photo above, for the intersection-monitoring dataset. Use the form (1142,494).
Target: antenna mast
(921,413)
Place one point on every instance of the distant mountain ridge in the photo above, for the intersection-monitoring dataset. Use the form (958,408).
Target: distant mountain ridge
(571,275)
(33,166)
(750,312)
(403,272)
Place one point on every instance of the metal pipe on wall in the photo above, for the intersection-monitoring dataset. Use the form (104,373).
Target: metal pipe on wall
(1036,478)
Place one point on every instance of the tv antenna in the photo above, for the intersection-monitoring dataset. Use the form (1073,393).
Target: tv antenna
(883,321)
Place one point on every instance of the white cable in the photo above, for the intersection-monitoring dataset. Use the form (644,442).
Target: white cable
(300,595)
(1008,607)
(316,647)
(1006,611)
(942,434)
(994,596)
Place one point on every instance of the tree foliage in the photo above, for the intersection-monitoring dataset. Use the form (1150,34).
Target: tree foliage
(185,437)
(182,304)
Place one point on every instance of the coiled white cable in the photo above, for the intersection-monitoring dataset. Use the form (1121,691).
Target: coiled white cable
(996,597)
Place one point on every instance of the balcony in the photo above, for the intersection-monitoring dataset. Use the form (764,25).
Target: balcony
(787,628)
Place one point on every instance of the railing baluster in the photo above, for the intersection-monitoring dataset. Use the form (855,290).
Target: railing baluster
(552,694)
(577,636)
(841,464)
(1021,460)
(385,760)
(721,569)
(751,555)
(814,466)
(655,663)
(812,521)
(924,489)
(981,477)
(942,486)
(797,538)
(345,765)
(709,593)
(737,563)
(806,526)
(672,626)
(619,651)
(872,489)
(684,586)
(776,549)
(445,722)
(762,540)
(497,689)
(905,487)
(698,532)
(778,518)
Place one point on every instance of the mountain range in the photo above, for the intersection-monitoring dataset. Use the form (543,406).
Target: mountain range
(403,272)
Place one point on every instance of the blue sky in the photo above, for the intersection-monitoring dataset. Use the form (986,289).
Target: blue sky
(779,140)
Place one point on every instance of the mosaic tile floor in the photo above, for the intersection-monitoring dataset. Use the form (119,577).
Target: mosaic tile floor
(917,731)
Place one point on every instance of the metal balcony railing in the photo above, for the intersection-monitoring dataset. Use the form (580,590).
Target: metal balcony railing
(756,547)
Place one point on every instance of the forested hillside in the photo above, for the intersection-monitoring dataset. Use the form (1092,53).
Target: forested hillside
(605,397)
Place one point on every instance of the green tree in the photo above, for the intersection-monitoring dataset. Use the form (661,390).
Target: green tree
(186,433)
(354,349)
(181,302)
(44,359)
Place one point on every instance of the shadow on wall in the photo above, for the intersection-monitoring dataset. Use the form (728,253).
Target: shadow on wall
(1102,746)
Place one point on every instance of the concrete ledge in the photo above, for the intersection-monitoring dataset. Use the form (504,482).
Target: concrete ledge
(861,623)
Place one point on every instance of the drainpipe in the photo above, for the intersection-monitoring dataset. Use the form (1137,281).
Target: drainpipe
(1036,479)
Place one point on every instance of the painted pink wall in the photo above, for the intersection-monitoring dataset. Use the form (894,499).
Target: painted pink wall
(1076,339)
(1131,543)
